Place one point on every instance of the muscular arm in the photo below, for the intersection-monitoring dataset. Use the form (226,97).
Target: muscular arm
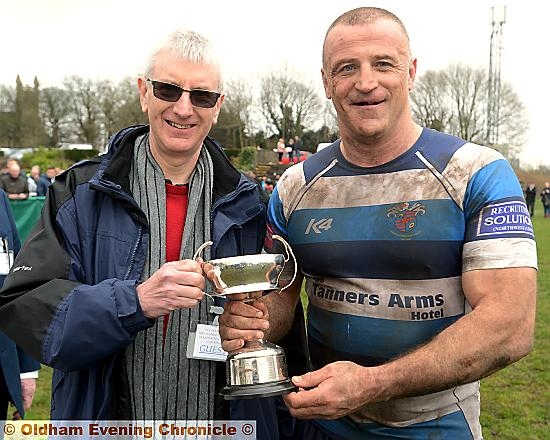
(281,307)
(497,332)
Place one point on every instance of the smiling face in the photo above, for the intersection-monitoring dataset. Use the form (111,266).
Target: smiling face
(178,129)
(368,74)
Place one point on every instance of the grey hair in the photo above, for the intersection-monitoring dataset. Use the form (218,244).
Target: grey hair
(190,46)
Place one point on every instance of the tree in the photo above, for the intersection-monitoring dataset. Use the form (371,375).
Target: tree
(287,104)
(513,123)
(467,88)
(124,106)
(9,129)
(7,99)
(454,100)
(54,112)
(85,109)
(431,105)
(108,108)
(234,122)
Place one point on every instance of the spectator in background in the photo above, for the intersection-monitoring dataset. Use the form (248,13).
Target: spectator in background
(530,196)
(281,149)
(45,181)
(290,150)
(32,180)
(14,183)
(545,199)
(18,371)
(296,148)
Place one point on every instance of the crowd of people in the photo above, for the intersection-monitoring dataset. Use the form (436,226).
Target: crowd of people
(530,193)
(410,266)
(18,185)
(289,152)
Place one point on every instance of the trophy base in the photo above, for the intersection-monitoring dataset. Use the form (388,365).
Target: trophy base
(258,390)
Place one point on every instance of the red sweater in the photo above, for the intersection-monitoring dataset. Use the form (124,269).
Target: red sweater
(176,212)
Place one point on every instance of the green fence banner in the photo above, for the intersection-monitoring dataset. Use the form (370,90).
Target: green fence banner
(26,213)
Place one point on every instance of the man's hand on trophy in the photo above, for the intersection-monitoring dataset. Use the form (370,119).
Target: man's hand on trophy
(242,322)
(176,285)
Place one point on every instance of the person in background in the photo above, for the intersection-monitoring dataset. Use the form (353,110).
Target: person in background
(530,196)
(32,179)
(281,149)
(46,180)
(18,371)
(14,183)
(112,307)
(290,150)
(432,290)
(545,199)
(297,147)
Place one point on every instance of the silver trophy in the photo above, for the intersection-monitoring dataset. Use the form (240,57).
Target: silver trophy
(258,369)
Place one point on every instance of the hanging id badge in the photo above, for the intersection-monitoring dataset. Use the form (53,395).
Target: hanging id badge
(204,339)
(6,257)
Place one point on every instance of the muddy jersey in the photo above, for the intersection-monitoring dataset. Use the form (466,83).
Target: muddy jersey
(383,249)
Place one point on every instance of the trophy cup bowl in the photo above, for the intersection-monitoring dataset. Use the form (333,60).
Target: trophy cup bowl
(258,369)
(247,273)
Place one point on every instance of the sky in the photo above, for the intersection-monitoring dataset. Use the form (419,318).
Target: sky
(110,39)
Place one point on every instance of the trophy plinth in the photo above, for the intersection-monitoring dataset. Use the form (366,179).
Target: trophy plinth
(258,369)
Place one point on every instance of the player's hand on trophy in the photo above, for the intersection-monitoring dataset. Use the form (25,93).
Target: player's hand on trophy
(242,321)
(176,285)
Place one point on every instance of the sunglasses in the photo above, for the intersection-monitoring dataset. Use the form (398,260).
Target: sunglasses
(172,93)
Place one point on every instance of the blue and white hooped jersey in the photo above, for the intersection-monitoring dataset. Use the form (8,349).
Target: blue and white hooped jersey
(383,250)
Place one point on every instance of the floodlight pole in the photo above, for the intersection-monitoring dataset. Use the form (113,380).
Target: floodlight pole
(498,18)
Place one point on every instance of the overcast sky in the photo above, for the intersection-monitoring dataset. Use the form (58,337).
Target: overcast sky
(108,39)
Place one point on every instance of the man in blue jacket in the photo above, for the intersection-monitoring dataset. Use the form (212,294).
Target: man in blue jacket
(18,371)
(45,181)
(107,279)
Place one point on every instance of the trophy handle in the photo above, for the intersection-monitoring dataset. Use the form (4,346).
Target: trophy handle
(289,254)
(201,248)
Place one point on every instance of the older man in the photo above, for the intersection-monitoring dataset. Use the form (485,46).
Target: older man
(107,283)
(14,183)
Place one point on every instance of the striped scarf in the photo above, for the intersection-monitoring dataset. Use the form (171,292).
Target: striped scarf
(165,384)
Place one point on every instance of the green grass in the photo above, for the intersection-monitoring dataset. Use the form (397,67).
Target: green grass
(515,402)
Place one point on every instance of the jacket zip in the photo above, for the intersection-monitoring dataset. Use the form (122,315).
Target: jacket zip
(138,241)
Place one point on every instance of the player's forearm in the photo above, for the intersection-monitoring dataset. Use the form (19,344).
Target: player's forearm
(477,345)
(281,307)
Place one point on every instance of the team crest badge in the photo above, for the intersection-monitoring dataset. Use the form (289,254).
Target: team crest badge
(405,216)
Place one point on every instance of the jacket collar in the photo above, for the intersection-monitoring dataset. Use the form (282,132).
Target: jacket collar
(117,162)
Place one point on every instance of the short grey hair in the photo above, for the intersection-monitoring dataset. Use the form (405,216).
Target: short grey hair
(365,15)
(188,45)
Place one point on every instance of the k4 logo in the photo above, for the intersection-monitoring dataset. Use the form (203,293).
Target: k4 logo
(318,226)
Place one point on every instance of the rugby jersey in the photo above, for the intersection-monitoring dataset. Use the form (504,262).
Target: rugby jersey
(383,249)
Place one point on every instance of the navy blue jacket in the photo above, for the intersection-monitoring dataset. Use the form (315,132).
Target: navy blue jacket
(13,360)
(75,279)
(42,185)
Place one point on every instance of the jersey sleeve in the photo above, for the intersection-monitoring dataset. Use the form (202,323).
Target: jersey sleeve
(499,232)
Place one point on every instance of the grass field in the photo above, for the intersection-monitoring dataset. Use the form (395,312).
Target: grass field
(515,402)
